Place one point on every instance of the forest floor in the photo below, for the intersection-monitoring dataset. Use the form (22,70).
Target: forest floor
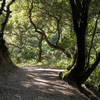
(37,83)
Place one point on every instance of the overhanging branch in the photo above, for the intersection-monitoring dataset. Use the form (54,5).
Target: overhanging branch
(42,32)
(92,40)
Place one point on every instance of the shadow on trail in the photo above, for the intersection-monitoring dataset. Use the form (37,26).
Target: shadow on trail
(37,83)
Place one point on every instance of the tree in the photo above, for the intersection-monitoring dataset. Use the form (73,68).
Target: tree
(44,30)
(81,71)
(52,20)
(5,61)
(80,11)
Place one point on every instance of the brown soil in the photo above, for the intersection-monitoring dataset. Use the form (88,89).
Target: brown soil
(37,83)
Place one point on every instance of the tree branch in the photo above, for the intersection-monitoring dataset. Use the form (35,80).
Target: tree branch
(92,40)
(93,66)
(40,31)
(6,18)
(2,6)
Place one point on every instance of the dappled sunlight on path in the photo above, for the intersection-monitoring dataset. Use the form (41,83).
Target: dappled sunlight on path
(37,83)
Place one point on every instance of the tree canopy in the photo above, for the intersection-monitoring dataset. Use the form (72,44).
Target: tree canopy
(62,33)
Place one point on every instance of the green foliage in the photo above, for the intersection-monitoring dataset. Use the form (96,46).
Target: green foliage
(28,52)
(23,41)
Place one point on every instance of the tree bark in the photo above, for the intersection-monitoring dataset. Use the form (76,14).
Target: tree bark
(80,17)
(6,65)
(40,49)
(77,72)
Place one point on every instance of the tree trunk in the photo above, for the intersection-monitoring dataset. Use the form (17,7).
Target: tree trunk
(80,21)
(77,72)
(40,49)
(6,65)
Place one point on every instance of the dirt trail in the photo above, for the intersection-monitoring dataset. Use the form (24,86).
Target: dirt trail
(37,83)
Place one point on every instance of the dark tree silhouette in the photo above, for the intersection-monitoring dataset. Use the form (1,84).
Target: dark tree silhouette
(6,64)
(81,71)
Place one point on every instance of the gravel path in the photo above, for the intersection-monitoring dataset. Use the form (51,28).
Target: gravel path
(37,83)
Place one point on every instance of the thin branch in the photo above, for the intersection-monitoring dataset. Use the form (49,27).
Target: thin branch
(6,18)
(92,40)
(40,31)
(59,30)
(93,66)
(57,19)
(2,6)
